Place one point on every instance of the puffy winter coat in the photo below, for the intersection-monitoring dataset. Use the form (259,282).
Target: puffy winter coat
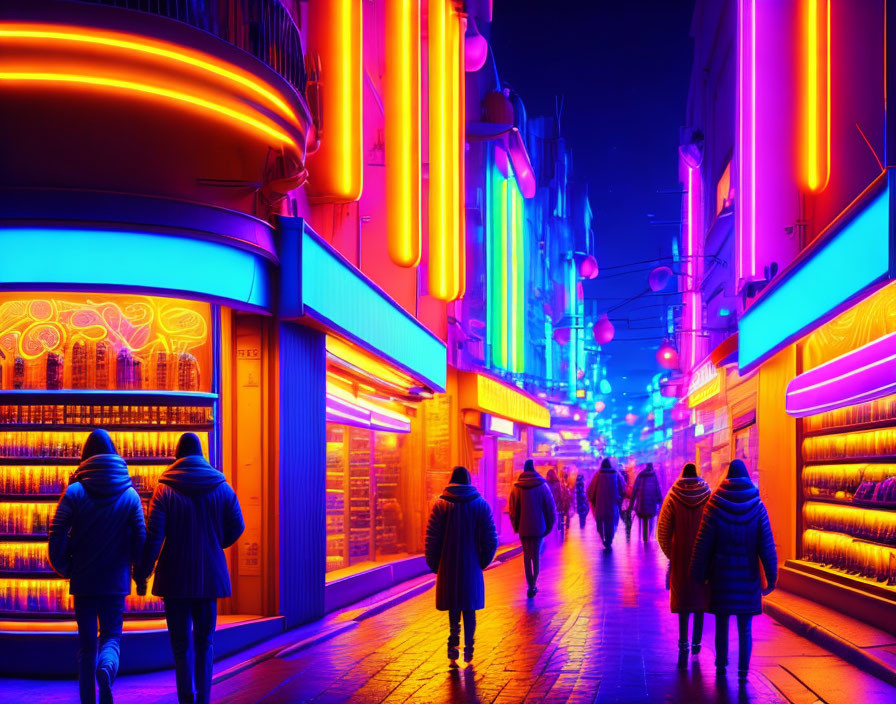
(605,493)
(97,532)
(646,494)
(735,536)
(676,532)
(559,492)
(581,499)
(531,506)
(461,541)
(193,516)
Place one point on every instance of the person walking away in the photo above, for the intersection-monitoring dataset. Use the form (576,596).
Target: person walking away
(734,546)
(605,494)
(193,516)
(646,498)
(461,540)
(95,539)
(581,500)
(676,532)
(532,513)
(561,498)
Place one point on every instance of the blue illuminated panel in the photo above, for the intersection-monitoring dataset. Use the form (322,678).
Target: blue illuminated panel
(331,290)
(854,258)
(47,259)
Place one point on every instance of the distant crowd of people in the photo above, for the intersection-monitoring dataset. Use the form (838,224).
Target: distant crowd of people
(722,557)
(99,541)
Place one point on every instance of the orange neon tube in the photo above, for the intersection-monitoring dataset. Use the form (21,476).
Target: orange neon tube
(816,108)
(402,107)
(335,36)
(60,33)
(104,82)
(458,133)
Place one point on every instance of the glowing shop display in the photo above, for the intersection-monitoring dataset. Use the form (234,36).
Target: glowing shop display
(815,147)
(858,376)
(335,46)
(705,383)
(347,409)
(746,140)
(402,108)
(447,248)
(852,259)
(484,393)
(500,426)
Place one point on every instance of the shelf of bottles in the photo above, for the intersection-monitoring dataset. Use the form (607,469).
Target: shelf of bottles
(849,495)
(388,513)
(138,366)
(336,553)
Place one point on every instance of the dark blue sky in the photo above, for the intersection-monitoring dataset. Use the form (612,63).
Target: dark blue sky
(622,68)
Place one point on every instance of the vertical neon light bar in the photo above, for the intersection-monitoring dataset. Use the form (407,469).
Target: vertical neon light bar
(746,128)
(512,274)
(501,281)
(460,135)
(816,108)
(496,272)
(691,264)
(402,98)
(335,35)
(519,273)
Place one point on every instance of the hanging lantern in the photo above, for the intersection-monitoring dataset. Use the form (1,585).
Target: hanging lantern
(603,330)
(580,291)
(667,356)
(659,278)
(680,413)
(599,406)
(631,418)
(588,268)
(561,336)
(475,48)
(580,373)
(605,387)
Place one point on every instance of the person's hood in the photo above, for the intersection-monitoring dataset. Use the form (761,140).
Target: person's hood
(691,491)
(609,470)
(103,475)
(192,475)
(460,493)
(647,471)
(552,477)
(529,480)
(580,479)
(736,500)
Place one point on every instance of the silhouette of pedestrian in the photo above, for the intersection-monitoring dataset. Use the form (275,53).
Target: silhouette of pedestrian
(193,516)
(605,494)
(532,513)
(734,545)
(646,498)
(581,500)
(96,536)
(560,494)
(461,541)
(676,533)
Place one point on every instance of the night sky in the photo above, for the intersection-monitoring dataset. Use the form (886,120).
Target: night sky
(622,69)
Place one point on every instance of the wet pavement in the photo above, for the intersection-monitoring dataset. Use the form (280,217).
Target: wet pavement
(599,630)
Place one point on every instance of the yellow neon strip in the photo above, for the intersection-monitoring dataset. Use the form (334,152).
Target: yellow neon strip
(15,32)
(350,70)
(510,263)
(817,107)
(402,93)
(150,90)
(357,358)
(459,134)
(439,223)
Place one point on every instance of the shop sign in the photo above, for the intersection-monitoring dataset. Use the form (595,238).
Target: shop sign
(487,394)
(705,383)
(500,426)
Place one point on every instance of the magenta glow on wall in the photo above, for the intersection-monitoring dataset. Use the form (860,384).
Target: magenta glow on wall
(858,376)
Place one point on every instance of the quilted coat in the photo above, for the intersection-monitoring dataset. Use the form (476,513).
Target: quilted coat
(646,494)
(734,539)
(193,516)
(581,499)
(559,492)
(605,493)
(461,541)
(676,532)
(531,505)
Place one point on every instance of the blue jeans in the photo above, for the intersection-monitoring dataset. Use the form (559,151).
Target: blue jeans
(95,653)
(200,617)
(744,640)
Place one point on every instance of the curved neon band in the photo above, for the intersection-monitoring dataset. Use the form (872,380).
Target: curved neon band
(269,96)
(151,90)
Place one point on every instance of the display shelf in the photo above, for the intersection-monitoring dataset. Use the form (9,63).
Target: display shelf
(873,459)
(104,397)
(857,427)
(110,427)
(24,537)
(30,498)
(33,574)
(74,461)
(862,584)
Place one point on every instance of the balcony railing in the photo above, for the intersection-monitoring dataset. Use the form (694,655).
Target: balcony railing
(263,28)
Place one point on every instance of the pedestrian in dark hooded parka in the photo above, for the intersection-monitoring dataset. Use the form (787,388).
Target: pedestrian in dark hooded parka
(734,546)
(96,537)
(605,493)
(193,516)
(676,532)
(461,541)
(532,512)
(581,500)
(646,498)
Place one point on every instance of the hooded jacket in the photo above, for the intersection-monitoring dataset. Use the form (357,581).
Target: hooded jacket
(530,506)
(646,494)
(461,541)
(193,516)
(581,499)
(676,532)
(735,536)
(559,492)
(605,493)
(97,532)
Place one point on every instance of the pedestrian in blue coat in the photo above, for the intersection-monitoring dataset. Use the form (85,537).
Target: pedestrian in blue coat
(581,500)
(532,512)
(193,516)
(734,544)
(96,536)
(461,541)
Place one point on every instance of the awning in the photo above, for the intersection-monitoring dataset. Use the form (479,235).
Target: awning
(481,392)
